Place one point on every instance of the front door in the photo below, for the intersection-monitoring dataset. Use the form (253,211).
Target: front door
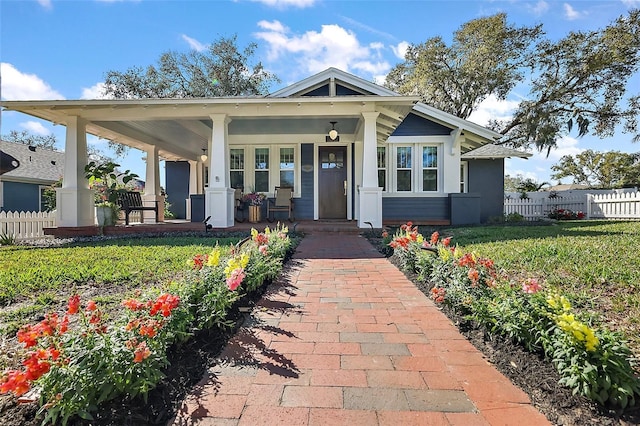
(332,182)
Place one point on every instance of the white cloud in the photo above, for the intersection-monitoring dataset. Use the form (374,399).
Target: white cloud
(539,8)
(566,146)
(631,4)
(570,13)
(400,49)
(281,4)
(94,92)
(315,51)
(193,43)
(19,86)
(512,170)
(35,127)
(493,108)
(46,4)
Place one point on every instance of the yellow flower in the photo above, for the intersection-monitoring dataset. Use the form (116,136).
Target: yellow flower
(236,262)
(420,239)
(254,233)
(214,258)
(267,231)
(581,332)
(444,253)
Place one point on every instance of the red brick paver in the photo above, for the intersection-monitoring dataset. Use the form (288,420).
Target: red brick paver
(343,338)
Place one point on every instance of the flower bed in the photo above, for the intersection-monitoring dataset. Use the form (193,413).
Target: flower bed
(592,361)
(77,360)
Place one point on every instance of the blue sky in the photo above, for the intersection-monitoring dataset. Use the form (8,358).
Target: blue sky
(61,49)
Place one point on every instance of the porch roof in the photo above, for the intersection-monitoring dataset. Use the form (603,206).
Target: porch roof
(180,128)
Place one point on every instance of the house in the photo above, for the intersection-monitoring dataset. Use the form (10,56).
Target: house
(351,150)
(21,187)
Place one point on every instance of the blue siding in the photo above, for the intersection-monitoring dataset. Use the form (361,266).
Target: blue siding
(304,204)
(345,91)
(177,186)
(415,208)
(21,197)
(414,125)
(486,177)
(320,91)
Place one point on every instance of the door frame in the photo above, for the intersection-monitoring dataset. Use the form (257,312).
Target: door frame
(316,186)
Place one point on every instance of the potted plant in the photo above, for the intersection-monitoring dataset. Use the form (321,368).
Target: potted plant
(107,181)
(254,200)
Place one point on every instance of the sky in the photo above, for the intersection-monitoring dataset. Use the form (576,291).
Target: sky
(61,49)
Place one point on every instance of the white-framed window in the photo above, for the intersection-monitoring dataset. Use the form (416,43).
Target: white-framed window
(236,167)
(414,167)
(429,168)
(261,170)
(382,167)
(287,166)
(404,169)
(464,176)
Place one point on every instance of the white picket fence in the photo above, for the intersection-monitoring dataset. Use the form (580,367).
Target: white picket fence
(26,225)
(599,206)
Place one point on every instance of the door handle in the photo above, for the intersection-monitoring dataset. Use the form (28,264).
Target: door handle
(345,187)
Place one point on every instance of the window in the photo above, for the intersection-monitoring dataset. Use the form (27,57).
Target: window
(287,167)
(236,167)
(403,168)
(332,160)
(382,167)
(463,177)
(429,168)
(261,171)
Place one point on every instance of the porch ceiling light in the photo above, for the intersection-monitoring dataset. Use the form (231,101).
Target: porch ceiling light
(333,133)
(204,157)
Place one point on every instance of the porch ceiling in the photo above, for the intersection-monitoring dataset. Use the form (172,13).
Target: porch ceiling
(180,128)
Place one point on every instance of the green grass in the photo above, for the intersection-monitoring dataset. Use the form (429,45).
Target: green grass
(595,262)
(34,280)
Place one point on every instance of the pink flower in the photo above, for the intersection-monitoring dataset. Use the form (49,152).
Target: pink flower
(263,250)
(531,286)
(235,279)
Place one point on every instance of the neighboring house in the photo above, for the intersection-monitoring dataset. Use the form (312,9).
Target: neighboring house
(393,158)
(21,188)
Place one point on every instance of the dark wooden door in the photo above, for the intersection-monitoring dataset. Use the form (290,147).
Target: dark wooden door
(332,182)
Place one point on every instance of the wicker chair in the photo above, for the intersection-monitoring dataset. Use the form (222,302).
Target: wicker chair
(283,202)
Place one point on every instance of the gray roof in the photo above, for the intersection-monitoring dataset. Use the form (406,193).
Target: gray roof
(37,165)
(491,151)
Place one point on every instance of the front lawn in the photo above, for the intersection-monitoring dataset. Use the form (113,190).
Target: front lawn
(34,280)
(595,263)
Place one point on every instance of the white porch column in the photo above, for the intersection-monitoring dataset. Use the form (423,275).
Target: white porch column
(370,193)
(218,199)
(152,187)
(75,201)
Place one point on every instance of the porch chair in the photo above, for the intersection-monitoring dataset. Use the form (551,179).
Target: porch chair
(282,202)
(238,205)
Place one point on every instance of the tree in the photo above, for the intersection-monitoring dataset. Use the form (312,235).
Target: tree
(577,82)
(613,169)
(222,70)
(26,138)
(487,57)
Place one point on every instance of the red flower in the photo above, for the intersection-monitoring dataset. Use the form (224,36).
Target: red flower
(473,275)
(15,381)
(91,305)
(199,260)
(165,303)
(74,304)
(28,336)
(434,238)
(446,242)
(141,353)
(133,304)
(64,325)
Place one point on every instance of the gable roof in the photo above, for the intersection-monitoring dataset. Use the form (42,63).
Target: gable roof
(37,165)
(328,76)
(492,151)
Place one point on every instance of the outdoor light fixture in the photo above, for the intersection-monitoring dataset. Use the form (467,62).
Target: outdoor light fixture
(204,157)
(333,133)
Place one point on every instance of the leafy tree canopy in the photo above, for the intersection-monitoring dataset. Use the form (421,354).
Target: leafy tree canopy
(26,138)
(613,169)
(223,69)
(577,82)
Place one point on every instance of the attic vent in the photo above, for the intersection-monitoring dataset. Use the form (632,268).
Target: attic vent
(32,148)
(53,162)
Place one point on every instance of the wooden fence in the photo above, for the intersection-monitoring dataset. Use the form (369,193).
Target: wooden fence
(26,225)
(601,206)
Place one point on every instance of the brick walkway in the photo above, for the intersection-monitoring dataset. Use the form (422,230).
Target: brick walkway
(343,338)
